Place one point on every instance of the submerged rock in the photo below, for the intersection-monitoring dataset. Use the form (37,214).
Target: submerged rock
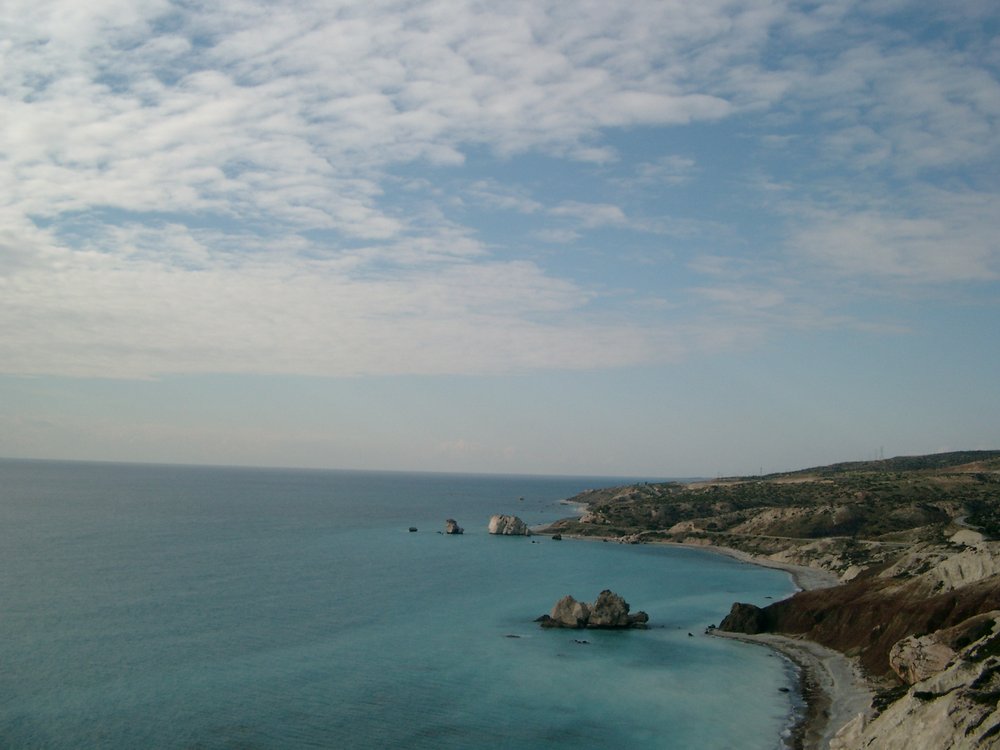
(451,527)
(508,526)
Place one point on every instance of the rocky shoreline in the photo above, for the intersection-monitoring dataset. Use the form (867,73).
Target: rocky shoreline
(832,685)
(896,626)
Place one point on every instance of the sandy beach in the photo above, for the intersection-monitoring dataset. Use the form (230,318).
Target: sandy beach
(833,686)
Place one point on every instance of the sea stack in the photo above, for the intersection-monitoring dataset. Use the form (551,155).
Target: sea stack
(609,612)
(508,526)
(451,527)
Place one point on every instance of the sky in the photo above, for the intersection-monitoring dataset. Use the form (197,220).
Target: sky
(656,238)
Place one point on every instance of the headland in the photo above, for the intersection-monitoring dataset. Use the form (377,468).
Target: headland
(896,627)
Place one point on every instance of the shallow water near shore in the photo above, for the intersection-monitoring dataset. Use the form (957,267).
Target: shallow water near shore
(183,607)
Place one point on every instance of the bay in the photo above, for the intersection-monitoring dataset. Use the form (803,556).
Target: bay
(204,607)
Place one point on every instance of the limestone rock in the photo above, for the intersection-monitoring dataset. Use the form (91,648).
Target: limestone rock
(451,527)
(971,565)
(915,659)
(508,526)
(967,537)
(569,613)
(609,611)
(953,709)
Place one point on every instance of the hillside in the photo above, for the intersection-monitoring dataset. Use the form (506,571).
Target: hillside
(911,541)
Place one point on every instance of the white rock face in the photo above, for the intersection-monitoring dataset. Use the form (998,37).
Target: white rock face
(508,526)
(968,537)
(969,566)
(954,709)
(569,613)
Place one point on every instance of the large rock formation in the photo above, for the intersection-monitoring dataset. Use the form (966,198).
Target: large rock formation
(569,613)
(508,526)
(451,527)
(916,658)
(869,616)
(744,618)
(610,611)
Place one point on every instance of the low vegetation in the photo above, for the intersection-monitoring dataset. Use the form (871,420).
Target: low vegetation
(896,501)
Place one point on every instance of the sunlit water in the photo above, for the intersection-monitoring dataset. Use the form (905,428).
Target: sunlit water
(179,607)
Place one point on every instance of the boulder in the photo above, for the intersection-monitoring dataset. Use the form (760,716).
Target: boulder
(917,658)
(508,526)
(451,527)
(569,613)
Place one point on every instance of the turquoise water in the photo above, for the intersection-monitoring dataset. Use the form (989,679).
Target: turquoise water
(183,607)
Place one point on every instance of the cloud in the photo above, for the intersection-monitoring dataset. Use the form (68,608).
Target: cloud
(952,240)
(249,186)
(591,215)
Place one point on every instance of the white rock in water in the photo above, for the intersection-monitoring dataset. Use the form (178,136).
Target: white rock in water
(508,526)
(569,613)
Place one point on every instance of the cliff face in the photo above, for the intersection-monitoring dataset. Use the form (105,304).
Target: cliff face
(868,616)
(954,708)
(932,621)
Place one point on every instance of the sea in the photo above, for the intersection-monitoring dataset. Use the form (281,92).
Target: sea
(146,606)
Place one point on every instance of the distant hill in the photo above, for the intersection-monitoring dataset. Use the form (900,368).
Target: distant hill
(962,460)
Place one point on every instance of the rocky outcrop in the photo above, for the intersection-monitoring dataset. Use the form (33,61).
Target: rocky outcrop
(569,613)
(952,709)
(451,527)
(744,618)
(508,526)
(869,616)
(610,612)
(916,658)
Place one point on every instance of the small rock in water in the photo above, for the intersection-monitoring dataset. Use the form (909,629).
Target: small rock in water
(451,527)
(413,528)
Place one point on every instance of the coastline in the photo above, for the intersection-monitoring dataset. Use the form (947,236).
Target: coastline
(831,684)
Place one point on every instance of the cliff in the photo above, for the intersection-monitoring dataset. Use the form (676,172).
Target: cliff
(909,540)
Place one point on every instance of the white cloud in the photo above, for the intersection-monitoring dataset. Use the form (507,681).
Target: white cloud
(195,188)
(591,215)
(953,239)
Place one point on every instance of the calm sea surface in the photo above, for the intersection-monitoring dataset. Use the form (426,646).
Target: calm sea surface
(183,607)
